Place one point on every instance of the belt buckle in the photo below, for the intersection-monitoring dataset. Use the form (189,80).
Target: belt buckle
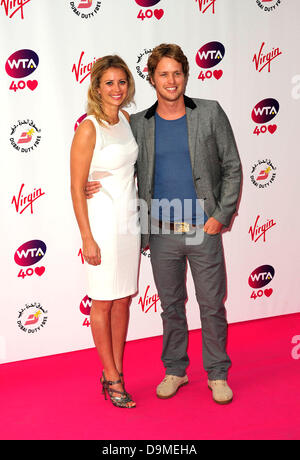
(181,227)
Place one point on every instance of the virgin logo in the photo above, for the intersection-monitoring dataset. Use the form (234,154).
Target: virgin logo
(265,110)
(11,7)
(210,55)
(259,230)
(148,301)
(205,4)
(21,63)
(23,201)
(30,253)
(263,59)
(81,70)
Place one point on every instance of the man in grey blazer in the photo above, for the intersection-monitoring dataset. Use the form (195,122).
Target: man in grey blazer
(186,145)
(189,174)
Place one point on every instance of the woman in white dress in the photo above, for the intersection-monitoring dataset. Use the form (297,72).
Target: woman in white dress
(104,148)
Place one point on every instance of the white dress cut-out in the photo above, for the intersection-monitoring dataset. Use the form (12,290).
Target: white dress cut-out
(113,212)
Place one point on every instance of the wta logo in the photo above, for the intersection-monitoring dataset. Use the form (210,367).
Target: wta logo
(209,56)
(80,119)
(30,253)
(85,308)
(261,276)
(265,110)
(147,3)
(85,305)
(21,63)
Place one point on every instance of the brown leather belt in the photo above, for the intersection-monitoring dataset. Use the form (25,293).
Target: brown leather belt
(176,227)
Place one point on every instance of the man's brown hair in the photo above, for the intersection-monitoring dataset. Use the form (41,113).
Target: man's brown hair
(166,50)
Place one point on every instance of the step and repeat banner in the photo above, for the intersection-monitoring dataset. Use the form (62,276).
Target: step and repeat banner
(243,53)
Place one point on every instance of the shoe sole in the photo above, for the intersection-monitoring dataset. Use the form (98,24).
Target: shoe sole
(222,403)
(173,394)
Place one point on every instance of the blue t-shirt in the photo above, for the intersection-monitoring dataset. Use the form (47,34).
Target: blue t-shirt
(174,198)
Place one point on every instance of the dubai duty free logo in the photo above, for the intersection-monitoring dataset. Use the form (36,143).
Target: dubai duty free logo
(142,63)
(28,254)
(268,5)
(19,65)
(258,279)
(209,56)
(12,7)
(263,112)
(263,174)
(32,318)
(25,136)
(85,9)
(149,13)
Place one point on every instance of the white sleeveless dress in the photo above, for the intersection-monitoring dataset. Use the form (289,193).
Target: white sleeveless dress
(113,212)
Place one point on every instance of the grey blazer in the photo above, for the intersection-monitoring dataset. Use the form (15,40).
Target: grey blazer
(214,158)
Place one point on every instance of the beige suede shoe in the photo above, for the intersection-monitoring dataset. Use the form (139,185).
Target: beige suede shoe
(221,392)
(170,385)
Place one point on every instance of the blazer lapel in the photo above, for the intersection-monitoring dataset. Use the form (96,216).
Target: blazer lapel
(192,126)
(149,135)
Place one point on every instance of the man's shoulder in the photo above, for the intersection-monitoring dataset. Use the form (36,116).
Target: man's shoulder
(137,119)
(137,116)
(205,103)
(191,102)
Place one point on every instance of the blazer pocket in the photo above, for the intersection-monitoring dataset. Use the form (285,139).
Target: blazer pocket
(216,191)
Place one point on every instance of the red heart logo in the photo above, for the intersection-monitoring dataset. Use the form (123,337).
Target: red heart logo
(217,74)
(272,128)
(268,292)
(32,84)
(39,270)
(158,14)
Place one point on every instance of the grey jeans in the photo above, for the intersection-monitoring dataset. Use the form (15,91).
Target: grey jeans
(169,255)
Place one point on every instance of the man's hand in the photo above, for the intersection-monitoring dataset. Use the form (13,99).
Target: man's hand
(91,188)
(212,226)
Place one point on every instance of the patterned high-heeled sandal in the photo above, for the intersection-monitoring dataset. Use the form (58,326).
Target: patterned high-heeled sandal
(118,401)
(123,383)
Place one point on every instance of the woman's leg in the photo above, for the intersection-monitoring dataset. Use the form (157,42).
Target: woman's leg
(101,326)
(119,326)
(101,329)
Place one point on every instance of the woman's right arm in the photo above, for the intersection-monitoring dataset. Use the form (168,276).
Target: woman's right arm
(81,155)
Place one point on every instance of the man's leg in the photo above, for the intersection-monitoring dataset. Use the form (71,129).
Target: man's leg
(208,270)
(169,271)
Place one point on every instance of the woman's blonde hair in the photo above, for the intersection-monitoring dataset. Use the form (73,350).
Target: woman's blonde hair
(94,102)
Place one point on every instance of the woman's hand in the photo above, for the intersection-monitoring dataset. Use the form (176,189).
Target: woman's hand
(91,252)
